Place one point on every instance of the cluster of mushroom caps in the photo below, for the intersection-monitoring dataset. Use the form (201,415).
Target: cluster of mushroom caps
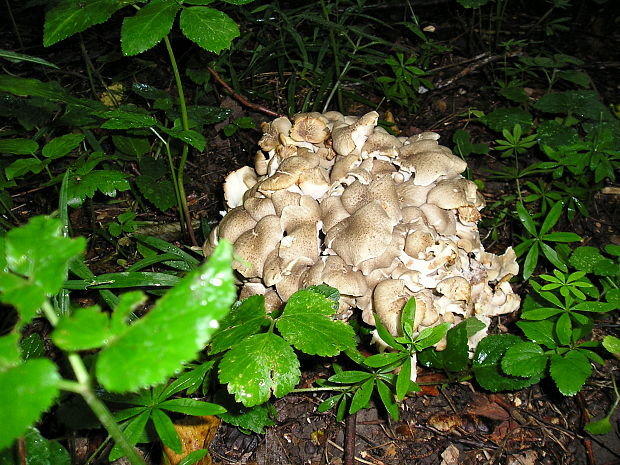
(338,200)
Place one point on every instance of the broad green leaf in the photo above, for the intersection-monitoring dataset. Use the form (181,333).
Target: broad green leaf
(204,115)
(238,2)
(148,26)
(260,365)
(524,359)
(211,29)
(122,280)
(72,16)
(193,138)
(107,182)
(132,145)
(362,395)
(540,332)
(60,146)
(41,451)
(612,344)
(486,364)
(602,426)
(26,391)
(349,377)
(87,328)
(191,407)
(456,354)
(244,319)
(388,399)
(22,166)
(585,258)
(179,326)
(165,430)
(9,351)
(25,296)
(306,323)
(121,119)
(254,419)
(328,292)
(584,104)
(160,193)
(570,371)
(32,346)
(507,118)
(18,146)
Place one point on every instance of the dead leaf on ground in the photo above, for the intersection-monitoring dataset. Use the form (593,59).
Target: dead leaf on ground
(484,407)
(450,456)
(195,433)
(444,422)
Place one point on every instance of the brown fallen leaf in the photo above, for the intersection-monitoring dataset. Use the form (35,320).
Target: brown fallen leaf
(444,422)
(195,433)
(485,407)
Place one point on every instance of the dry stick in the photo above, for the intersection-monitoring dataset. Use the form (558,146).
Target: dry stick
(350,428)
(241,99)
(465,71)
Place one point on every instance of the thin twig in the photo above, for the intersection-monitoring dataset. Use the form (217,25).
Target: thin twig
(350,434)
(241,99)
(469,69)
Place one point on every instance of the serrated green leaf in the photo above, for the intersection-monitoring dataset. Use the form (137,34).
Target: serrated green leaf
(60,146)
(18,146)
(193,138)
(260,365)
(612,344)
(26,391)
(486,364)
(121,119)
(72,16)
(179,325)
(107,182)
(132,145)
(570,371)
(43,451)
(165,430)
(244,319)
(524,359)
(328,292)
(87,328)
(148,26)
(306,324)
(160,193)
(211,29)
(581,103)
(361,397)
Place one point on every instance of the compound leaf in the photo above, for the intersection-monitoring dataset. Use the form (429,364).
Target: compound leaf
(107,182)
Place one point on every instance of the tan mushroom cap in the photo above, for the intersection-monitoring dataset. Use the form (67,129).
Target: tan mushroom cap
(253,246)
(388,300)
(453,193)
(236,222)
(333,271)
(309,127)
(347,138)
(444,221)
(430,165)
(362,236)
(381,143)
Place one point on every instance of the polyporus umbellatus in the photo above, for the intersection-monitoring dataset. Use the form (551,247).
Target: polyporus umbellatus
(338,200)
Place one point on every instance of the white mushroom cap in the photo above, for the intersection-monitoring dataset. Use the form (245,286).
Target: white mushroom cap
(236,184)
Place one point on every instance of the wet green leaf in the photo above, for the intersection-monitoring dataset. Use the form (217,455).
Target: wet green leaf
(148,26)
(570,371)
(41,451)
(211,29)
(85,186)
(86,328)
(524,359)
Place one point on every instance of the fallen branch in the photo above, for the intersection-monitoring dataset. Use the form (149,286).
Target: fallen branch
(482,60)
(240,98)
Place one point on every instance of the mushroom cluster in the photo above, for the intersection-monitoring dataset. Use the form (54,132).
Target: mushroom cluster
(338,200)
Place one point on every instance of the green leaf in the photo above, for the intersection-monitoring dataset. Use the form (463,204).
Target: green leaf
(596,307)
(526,219)
(540,332)
(72,16)
(244,319)
(388,399)
(540,313)
(584,104)
(349,377)
(585,258)
(22,166)
(148,26)
(602,426)
(383,359)
(612,344)
(403,380)
(570,371)
(87,328)
(563,329)
(486,364)
(32,346)
(431,336)
(524,359)
(60,146)
(179,325)
(132,145)
(306,324)
(121,119)
(18,146)
(556,134)
(159,192)
(26,391)
(193,138)
(507,118)
(9,351)
(361,397)
(260,365)
(41,451)
(133,432)
(122,280)
(385,335)
(211,29)
(328,292)
(107,182)
(255,418)
(165,430)
(191,407)
(193,457)
(456,354)
(20,57)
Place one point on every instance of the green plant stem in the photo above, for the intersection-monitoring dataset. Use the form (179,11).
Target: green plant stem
(173,174)
(83,386)
(185,124)
(334,44)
